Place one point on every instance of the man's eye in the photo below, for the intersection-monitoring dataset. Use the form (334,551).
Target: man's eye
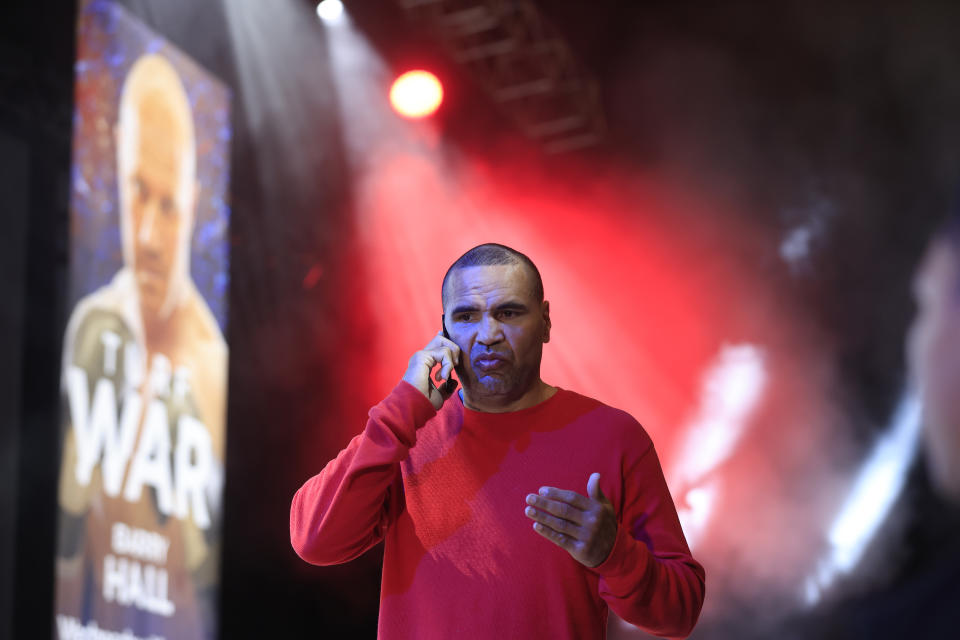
(465,317)
(507,313)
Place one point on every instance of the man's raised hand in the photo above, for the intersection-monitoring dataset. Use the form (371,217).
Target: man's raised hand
(440,351)
(585,526)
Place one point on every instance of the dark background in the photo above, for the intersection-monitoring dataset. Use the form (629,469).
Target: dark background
(845,112)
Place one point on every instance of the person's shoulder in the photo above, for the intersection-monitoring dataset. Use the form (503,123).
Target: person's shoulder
(575,398)
(203,324)
(613,422)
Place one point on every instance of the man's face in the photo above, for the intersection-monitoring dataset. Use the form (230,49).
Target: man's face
(933,351)
(493,315)
(157,200)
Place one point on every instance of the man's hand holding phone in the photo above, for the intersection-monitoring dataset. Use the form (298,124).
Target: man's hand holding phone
(440,351)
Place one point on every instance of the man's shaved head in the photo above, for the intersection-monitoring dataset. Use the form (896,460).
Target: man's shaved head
(156,177)
(153,96)
(490,254)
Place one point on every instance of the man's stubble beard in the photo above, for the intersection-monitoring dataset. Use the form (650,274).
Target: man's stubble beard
(509,384)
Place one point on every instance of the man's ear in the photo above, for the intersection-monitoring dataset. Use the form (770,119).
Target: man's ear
(546,320)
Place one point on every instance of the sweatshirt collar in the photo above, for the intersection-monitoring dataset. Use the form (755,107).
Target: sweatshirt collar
(511,423)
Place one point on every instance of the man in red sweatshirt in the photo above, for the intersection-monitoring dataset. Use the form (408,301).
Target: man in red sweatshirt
(475,493)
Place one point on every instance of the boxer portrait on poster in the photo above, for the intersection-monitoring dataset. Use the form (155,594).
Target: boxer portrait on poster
(144,383)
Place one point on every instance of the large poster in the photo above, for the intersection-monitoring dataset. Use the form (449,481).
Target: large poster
(144,377)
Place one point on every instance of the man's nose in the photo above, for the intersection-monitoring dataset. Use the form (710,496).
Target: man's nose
(490,331)
(145,233)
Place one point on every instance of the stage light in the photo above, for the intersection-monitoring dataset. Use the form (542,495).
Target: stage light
(416,94)
(330,10)
(879,483)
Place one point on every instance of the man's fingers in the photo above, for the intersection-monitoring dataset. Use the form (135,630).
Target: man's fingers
(441,342)
(444,356)
(557,524)
(585,527)
(570,497)
(560,509)
(440,351)
(561,540)
(593,488)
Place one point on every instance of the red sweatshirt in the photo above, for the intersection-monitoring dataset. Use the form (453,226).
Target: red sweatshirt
(446,490)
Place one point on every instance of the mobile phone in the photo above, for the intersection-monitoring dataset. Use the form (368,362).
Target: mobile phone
(443,323)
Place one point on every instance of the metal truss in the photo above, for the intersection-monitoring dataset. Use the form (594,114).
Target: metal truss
(523,64)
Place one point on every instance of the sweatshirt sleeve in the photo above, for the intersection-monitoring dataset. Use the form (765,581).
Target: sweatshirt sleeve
(345,509)
(650,578)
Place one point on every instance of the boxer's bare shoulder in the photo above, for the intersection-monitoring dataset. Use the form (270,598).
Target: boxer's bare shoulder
(208,359)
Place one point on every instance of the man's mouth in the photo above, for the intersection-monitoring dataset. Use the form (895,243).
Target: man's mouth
(149,275)
(488,362)
(149,282)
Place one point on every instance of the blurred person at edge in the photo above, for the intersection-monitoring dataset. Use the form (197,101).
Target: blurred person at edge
(153,470)
(919,598)
(933,354)
(475,492)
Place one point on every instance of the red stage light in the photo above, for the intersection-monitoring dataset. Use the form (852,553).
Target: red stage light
(416,94)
